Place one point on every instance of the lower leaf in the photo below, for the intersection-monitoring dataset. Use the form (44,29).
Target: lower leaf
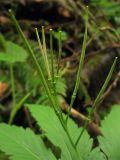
(21,144)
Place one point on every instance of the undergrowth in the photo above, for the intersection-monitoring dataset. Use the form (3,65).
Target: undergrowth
(71,142)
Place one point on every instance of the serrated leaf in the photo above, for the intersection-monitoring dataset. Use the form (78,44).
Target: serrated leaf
(14,53)
(85,144)
(21,144)
(96,154)
(50,124)
(110,142)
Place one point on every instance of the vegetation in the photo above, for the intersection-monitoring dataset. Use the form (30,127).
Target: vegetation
(39,85)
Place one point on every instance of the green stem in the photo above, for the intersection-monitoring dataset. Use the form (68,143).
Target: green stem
(53,80)
(81,133)
(98,98)
(59,52)
(39,42)
(43,53)
(12,84)
(80,67)
(66,130)
(18,106)
(45,50)
(52,58)
(30,51)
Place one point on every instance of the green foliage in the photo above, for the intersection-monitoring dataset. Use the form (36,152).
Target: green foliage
(21,144)
(111,10)
(64,35)
(109,7)
(46,119)
(96,154)
(73,143)
(60,90)
(13,53)
(56,135)
(25,75)
(110,127)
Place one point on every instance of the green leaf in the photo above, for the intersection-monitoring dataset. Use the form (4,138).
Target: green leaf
(21,144)
(47,119)
(110,142)
(64,35)
(84,146)
(50,124)
(85,143)
(3,156)
(13,53)
(96,154)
